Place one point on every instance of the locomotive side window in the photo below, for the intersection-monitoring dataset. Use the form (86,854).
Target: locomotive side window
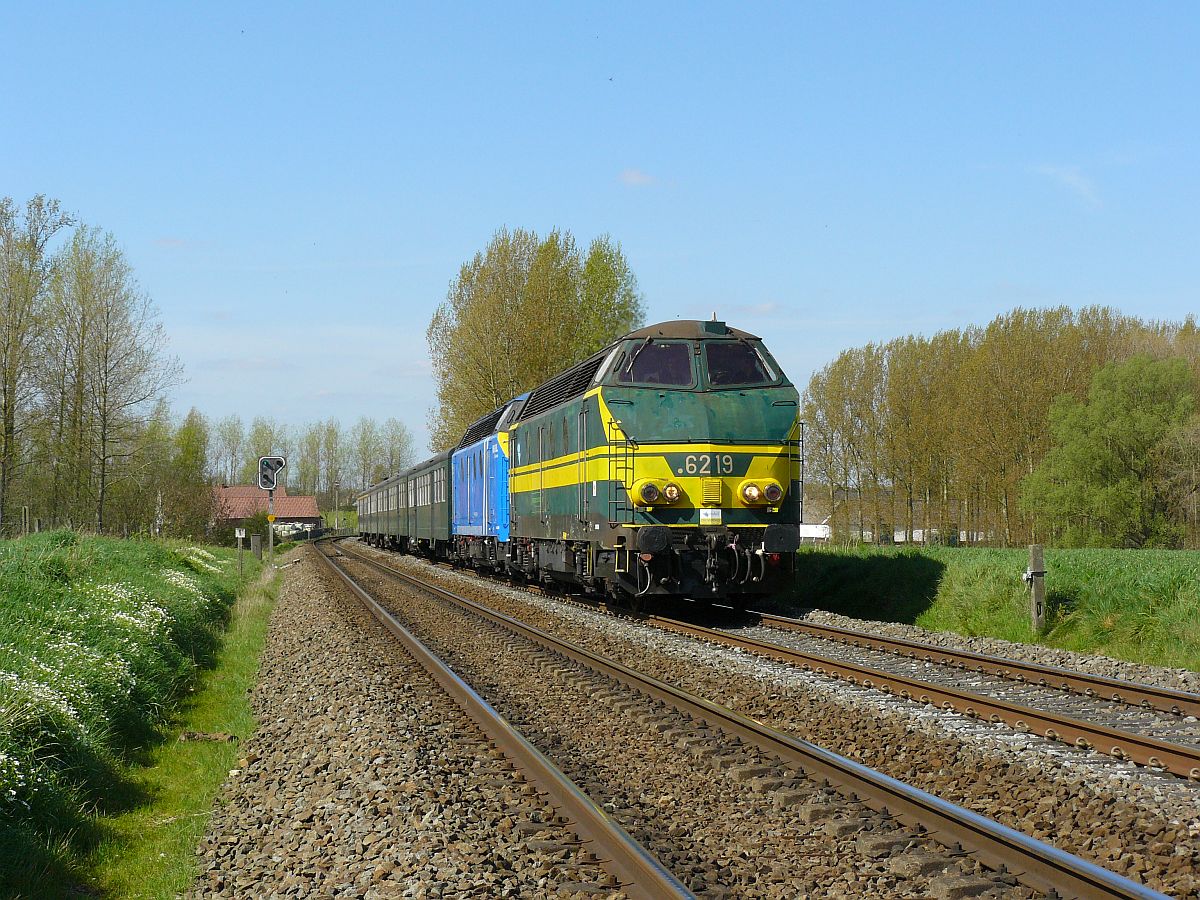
(734,363)
(660,362)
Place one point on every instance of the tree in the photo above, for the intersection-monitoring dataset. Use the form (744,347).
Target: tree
(308,466)
(1177,476)
(610,299)
(126,366)
(188,492)
(366,448)
(519,312)
(25,270)
(397,446)
(1096,485)
(230,436)
(333,451)
(262,440)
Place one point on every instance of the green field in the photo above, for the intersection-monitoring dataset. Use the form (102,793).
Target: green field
(348,518)
(99,641)
(1139,605)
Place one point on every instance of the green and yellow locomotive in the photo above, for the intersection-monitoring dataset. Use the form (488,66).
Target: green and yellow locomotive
(668,463)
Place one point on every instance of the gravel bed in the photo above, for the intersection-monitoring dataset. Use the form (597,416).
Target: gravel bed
(726,819)
(1165,726)
(1092,663)
(365,780)
(1126,818)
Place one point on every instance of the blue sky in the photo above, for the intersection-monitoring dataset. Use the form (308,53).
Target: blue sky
(297,184)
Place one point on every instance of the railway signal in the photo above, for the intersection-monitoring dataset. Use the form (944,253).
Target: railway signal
(269,468)
(268,471)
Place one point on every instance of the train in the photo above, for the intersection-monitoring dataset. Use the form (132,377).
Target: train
(670,463)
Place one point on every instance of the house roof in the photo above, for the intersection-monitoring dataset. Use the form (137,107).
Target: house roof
(241,501)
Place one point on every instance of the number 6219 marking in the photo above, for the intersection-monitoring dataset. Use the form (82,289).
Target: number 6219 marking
(707,464)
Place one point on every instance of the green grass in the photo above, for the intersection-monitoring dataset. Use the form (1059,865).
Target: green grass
(348,518)
(1139,605)
(149,850)
(99,640)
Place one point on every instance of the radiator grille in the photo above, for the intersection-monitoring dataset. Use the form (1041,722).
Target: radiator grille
(712,491)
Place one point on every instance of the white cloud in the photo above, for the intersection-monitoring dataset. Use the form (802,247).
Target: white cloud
(1073,179)
(635,178)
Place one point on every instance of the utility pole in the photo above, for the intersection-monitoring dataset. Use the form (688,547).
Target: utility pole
(337,512)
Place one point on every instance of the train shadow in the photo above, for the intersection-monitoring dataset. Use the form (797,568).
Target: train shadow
(889,588)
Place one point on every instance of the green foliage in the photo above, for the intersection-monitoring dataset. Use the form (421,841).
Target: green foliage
(939,432)
(519,312)
(1139,605)
(225,536)
(97,639)
(1097,486)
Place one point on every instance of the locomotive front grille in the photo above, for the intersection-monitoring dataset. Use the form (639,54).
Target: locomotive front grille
(711,491)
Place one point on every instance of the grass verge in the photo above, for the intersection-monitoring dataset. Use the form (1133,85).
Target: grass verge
(1139,605)
(149,850)
(100,641)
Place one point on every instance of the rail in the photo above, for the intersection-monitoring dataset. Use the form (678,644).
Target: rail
(639,872)
(1176,758)
(1133,693)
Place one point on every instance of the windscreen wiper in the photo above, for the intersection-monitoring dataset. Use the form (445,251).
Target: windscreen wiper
(637,353)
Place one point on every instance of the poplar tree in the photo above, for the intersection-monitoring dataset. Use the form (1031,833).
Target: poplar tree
(520,311)
(25,269)
(230,436)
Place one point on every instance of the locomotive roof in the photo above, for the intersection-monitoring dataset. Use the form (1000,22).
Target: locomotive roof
(488,424)
(690,329)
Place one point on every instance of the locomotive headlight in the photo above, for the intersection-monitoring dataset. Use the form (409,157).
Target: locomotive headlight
(649,492)
(751,493)
(672,492)
(773,493)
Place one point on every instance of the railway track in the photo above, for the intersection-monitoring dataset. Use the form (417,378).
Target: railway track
(1002,849)
(1119,742)
(1128,692)
(1169,744)
(637,871)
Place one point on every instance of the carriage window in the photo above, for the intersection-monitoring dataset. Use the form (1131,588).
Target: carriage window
(735,363)
(661,362)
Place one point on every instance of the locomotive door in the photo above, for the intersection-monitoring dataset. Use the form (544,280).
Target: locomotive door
(581,473)
(542,517)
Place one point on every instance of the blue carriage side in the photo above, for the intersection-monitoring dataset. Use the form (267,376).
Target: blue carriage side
(479,474)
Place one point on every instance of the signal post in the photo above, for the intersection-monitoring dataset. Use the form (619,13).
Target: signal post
(269,468)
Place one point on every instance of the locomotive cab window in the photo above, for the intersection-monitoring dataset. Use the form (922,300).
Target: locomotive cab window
(736,364)
(667,363)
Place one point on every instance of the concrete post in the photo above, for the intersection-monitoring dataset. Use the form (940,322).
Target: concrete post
(1036,576)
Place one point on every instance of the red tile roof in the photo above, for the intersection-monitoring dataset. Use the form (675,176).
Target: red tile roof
(241,501)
